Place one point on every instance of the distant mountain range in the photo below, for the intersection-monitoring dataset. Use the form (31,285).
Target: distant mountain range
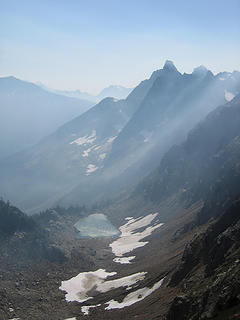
(118,92)
(28,114)
(115,143)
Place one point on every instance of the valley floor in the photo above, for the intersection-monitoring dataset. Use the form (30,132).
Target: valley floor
(31,291)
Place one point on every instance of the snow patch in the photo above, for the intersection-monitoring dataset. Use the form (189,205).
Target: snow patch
(228,95)
(129,239)
(102,156)
(146,134)
(86,152)
(97,147)
(125,260)
(85,309)
(88,139)
(90,169)
(133,297)
(121,282)
(110,140)
(78,287)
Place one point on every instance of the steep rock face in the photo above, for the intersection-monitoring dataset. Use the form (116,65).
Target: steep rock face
(203,164)
(172,106)
(29,113)
(217,291)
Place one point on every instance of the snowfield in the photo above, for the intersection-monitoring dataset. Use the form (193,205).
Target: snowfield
(129,239)
(85,309)
(121,282)
(110,140)
(228,95)
(86,152)
(90,169)
(133,297)
(88,139)
(102,156)
(78,287)
(125,260)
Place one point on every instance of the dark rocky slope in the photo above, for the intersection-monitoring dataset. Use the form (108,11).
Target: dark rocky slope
(23,239)
(209,273)
(205,166)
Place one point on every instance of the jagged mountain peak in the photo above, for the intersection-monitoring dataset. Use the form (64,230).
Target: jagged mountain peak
(201,71)
(169,65)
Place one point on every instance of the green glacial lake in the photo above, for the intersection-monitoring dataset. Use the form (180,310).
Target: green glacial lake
(96,225)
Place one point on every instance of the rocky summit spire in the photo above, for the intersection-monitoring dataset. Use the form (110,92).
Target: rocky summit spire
(169,65)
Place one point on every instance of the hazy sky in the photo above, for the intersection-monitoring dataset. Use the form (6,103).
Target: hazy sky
(88,45)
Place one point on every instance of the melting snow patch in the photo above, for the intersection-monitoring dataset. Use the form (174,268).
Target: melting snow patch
(129,239)
(85,309)
(90,169)
(102,156)
(133,297)
(88,139)
(77,287)
(121,282)
(228,95)
(86,152)
(146,134)
(71,318)
(125,260)
(110,140)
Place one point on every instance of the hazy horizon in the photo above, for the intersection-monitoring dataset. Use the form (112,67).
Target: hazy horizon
(43,84)
(87,46)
